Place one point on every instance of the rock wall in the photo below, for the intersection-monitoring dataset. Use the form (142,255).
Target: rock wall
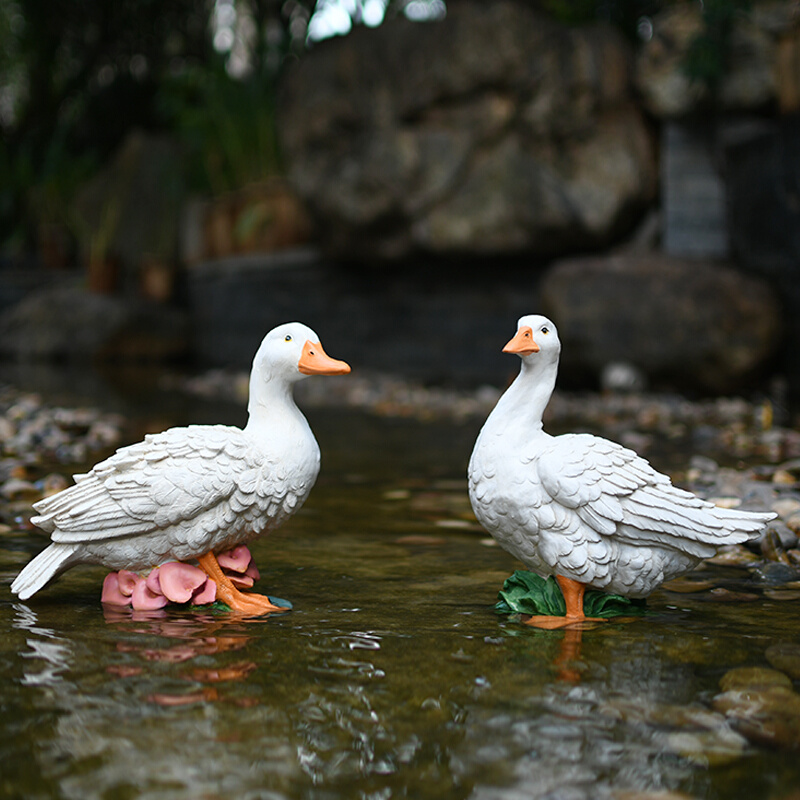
(496,131)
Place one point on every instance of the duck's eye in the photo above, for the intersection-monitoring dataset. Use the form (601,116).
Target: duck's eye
(288,337)
(545,329)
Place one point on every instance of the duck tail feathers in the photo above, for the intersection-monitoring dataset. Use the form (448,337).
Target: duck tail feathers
(37,573)
(743,525)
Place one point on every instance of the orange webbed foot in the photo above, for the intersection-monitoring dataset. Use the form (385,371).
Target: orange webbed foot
(248,603)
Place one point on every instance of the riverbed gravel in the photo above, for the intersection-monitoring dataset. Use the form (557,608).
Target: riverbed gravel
(757,463)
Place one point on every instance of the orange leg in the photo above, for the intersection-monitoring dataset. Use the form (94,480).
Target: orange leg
(573,597)
(244,602)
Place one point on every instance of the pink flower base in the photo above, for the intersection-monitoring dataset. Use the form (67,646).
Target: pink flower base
(175,582)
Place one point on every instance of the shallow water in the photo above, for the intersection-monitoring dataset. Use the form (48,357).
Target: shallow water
(392,676)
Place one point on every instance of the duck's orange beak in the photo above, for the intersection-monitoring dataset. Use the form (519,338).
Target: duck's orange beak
(522,344)
(315,361)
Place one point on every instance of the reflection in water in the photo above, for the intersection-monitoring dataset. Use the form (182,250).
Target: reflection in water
(50,653)
(568,658)
(198,637)
(355,699)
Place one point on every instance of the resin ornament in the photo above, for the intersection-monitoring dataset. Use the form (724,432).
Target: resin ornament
(188,493)
(579,507)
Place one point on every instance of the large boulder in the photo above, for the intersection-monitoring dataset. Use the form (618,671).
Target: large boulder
(66,322)
(494,131)
(690,323)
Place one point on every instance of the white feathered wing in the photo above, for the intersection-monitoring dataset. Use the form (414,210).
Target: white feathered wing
(158,500)
(607,518)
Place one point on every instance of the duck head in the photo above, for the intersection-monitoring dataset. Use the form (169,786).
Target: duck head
(536,340)
(293,351)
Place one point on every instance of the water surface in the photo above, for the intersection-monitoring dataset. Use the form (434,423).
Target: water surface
(392,676)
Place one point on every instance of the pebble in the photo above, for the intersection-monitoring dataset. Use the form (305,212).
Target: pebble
(760,702)
(722,595)
(712,748)
(768,716)
(786,507)
(772,547)
(687,585)
(775,574)
(18,489)
(785,656)
(734,555)
(753,678)
(782,594)
(700,735)
(726,502)
(33,433)
(793,523)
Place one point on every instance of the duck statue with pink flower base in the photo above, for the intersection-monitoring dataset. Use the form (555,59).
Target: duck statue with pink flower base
(190,493)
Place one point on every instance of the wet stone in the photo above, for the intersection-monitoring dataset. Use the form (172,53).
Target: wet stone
(784,477)
(776,574)
(710,748)
(753,678)
(772,547)
(687,585)
(785,657)
(760,701)
(785,507)
(769,718)
(673,716)
(782,594)
(726,502)
(17,489)
(723,595)
(793,522)
(734,555)
(785,535)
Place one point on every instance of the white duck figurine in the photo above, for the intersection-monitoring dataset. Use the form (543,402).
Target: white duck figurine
(579,507)
(188,493)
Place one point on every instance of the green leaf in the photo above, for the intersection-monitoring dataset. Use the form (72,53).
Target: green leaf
(218,605)
(526,592)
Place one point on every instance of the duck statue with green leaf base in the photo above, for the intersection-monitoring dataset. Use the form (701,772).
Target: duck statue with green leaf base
(579,507)
(190,493)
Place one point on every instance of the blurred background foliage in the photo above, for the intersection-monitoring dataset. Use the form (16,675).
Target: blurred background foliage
(76,76)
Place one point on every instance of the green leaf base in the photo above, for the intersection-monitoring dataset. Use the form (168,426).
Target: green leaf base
(218,605)
(526,592)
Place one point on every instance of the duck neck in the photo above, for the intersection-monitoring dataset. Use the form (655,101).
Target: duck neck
(524,402)
(270,404)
